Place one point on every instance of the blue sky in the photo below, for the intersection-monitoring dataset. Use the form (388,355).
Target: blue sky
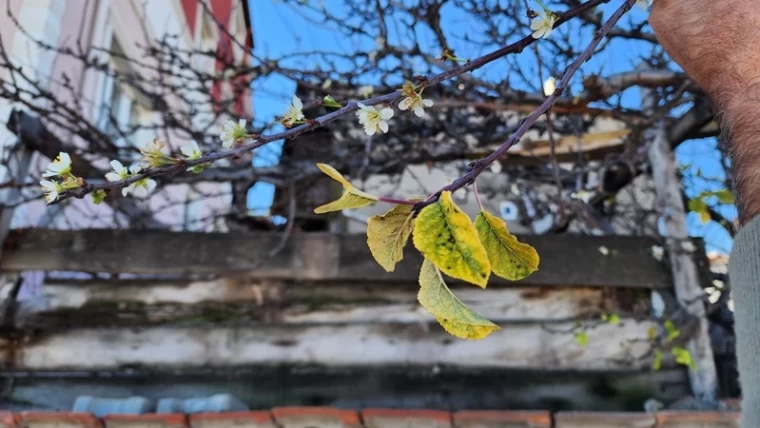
(278,30)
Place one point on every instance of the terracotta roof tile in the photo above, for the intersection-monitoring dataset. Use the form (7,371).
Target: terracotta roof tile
(398,418)
(502,419)
(150,420)
(327,417)
(58,420)
(256,419)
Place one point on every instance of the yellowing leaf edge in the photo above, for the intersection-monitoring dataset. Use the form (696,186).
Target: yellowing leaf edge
(445,235)
(458,320)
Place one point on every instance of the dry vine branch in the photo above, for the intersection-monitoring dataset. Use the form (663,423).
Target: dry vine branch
(352,106)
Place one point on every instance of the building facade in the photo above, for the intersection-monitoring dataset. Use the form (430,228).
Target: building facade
(110,31)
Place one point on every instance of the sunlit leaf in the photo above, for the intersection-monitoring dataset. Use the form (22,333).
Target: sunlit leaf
(657,363)
(699,206)
(351,198)
(509,258)
(724,196)
(454,316)
(387,234)
(672,332)
(683,357)
(581,338)
(445,235)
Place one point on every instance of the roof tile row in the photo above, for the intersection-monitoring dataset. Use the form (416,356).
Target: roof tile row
(327,417)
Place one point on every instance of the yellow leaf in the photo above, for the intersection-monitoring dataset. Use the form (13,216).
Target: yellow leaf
(510,258)
(445,234)
(704,216)
(683,356)
(387,234)
(652,333)
(351,198)
(451,313)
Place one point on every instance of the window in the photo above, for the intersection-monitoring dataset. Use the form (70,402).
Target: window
(117,111)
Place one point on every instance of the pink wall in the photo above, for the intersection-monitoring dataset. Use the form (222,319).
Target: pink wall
(85,24)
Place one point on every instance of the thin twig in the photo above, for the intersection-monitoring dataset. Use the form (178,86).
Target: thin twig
(352,106)
(479,166)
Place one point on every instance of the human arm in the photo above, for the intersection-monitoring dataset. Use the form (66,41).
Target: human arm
(716,43)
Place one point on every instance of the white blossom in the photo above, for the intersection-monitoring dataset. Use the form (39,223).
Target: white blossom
(413,100)
(294,113)
(60,167)
(140,188)
(120,172)
(232,133)
(550,86)
(327,84)
(191,150)
(51,190)
(366,90)
(543,24)
(153,152)
(374,118)
(604,250)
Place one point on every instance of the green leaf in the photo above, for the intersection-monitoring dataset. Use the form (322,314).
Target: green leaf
(451,313)
(683,357)
(509,258)
(444,234)
(697,205)
(657,363)
(672,332)
(387,234)
(613,319)
(351,198)
(581,338)
(700,207)
(724,196)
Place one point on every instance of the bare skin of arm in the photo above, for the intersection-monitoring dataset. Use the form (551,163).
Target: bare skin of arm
(717,42)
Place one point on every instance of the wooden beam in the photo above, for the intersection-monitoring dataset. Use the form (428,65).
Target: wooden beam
(237,301)
(567,260)
(622,347)
(686,279)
